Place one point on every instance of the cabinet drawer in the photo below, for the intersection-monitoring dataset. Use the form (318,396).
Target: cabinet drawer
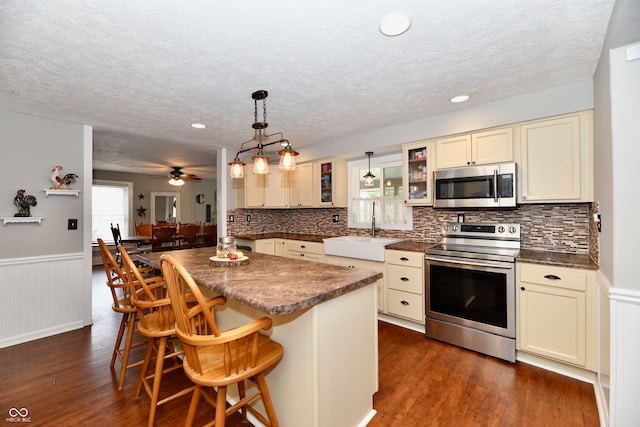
(559,277)
(406,258)
(305,256)
(405,304)
(302,246)
(407,279)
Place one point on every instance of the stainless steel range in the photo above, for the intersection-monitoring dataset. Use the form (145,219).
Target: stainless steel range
(470,287)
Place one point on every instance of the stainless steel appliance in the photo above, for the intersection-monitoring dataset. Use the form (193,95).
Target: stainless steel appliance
(476,186)
(470,287)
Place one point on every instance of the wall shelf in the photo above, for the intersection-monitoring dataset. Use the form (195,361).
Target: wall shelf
(60,192)
(21,219)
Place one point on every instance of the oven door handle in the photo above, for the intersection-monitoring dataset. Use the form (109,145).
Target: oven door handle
(506,266)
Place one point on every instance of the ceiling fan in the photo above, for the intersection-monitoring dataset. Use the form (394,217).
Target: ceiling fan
(177,177)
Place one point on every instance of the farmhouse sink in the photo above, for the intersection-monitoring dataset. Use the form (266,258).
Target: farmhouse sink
(370,248)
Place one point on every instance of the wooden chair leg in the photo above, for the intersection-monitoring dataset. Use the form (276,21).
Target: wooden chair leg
(157,379)
(131,326)
(193,406)
(145,365)
(116,348)
(266,399)
(242,394)
(221,405)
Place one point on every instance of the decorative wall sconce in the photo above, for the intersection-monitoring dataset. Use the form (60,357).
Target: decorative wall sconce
(260,161)
(368,178)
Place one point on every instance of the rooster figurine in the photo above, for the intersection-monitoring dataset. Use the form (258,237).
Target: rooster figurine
(66,180)
(24,203)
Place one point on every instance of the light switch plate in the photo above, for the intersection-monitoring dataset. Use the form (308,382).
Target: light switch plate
(72,224)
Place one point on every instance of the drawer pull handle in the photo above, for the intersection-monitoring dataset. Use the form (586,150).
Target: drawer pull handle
(551,277)
(404,279)
(404,302)
(404,258)
(302,246)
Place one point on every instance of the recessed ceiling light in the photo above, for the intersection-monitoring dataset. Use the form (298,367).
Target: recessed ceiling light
(198,125)
(459,98)
(394,24)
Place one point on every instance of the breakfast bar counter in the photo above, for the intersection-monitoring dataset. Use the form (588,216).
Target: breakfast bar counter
(324,316)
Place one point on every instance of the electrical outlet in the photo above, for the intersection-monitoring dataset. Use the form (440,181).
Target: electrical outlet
(248,218)
(72,224)
(231,218)
(335,218)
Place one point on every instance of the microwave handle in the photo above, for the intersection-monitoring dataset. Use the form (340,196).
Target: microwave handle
(495,185)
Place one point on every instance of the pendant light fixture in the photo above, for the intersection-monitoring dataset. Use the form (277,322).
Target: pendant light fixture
(368,178)
(260,161)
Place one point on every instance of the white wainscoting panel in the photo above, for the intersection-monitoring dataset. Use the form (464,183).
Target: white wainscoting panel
(41,296)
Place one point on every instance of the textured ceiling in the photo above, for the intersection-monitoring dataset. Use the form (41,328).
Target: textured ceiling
(141,71)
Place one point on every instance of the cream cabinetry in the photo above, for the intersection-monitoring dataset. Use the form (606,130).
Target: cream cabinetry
(417,171)
(557,313)
(267,191)
(378,267)
(491,146)
(262,246)
(280,247)
(307,251)
(330,183)
(405,284)
(301,186)
(555,158)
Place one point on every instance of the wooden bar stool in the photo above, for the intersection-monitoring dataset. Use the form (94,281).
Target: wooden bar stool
(156,321)
(215,359)
(120,291)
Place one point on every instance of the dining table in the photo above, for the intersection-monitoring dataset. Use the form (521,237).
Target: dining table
(137,239)
(325,317)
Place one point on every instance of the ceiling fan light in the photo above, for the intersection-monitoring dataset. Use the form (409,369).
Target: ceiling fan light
(176,182)
(260,165)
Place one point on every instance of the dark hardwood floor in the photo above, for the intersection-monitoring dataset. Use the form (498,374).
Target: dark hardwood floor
(65,380)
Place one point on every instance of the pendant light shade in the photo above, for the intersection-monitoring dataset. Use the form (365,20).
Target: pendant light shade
(287,158)
(369,177)
(237,168)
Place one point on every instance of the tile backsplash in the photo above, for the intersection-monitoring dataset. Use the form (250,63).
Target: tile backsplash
(554,227)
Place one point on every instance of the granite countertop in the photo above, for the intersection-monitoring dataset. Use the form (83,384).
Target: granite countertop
(532,256)
(288,236)
(271,284)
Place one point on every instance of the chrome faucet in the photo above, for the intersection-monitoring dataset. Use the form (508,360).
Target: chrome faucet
(373,221)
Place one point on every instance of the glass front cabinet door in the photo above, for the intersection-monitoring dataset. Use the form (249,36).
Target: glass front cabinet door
(417,173)
(330,186)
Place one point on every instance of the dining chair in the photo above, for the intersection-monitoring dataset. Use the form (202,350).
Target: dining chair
(163,238)
(210,234)
(215,359)
(120,291)
(188,233)
(156,321)
(143,229)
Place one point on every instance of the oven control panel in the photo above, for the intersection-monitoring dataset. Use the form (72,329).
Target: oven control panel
(481,230)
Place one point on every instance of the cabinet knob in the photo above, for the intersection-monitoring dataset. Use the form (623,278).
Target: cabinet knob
(468,163)
(404,279)
(522,288)
(404,302)
(551,277)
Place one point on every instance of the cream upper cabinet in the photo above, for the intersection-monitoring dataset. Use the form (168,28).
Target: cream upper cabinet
(557,313)
(555,159)
(330,183)
(301,186)
(417,173)
(491,146)
(267,191)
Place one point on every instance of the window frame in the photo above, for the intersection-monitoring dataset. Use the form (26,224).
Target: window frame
(354,166)
(129,226)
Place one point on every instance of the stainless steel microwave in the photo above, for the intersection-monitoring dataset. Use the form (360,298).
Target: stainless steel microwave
(476,186)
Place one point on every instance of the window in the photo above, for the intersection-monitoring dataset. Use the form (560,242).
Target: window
(111,204)
(386,195)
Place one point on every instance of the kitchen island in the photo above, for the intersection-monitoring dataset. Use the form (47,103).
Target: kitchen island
(323,315)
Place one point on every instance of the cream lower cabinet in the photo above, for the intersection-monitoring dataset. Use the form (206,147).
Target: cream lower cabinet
(405,284)
(261,246)
(555,159)
(376,266)
(556,313)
